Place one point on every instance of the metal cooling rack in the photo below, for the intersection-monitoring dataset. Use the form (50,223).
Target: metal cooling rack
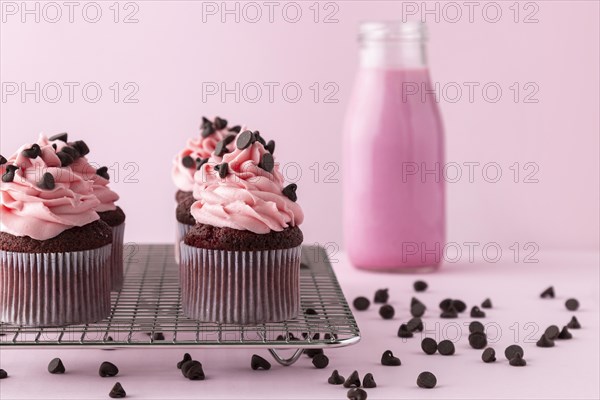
(147,313)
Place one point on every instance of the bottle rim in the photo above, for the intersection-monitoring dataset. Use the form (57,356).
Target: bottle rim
(392,31)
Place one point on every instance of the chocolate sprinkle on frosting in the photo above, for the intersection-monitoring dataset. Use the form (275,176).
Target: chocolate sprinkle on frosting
(223,170)
(54,146)
(270,146)
(61,136)
(188,162)
(221,148)
(267,163)
(290,191)
(65,159)
(3,160)
(200,162)
(9,175)
(220,123)
(81,147)
(236,129)
(47,182)
(259,138)
(103,172)
(73,152)
(33,152)
(244,140)
(207,129)
(205,121)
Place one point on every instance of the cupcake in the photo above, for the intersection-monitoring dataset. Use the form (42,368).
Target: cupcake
(54,249)
(74,156)
(240,263)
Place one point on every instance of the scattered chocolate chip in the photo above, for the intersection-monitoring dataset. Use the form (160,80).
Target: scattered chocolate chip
(476,326)
(267,162)
(33,152)
(9,175)
(335,378)
(446,348)
(223,170)
(320,361)
(3,374)
(353,380)
(449,313)
(186,357)
(56,366)
(117,392)
(512,350)
(71,151)
(445,304)
(565,334)
(403,332)
(63,137)
(47,182)
(548,293)
(311,311)
(414,301)
(488,355)
(3,160)
(244,140)
(258,362)
(109,339)
(477,313)
(313,352)
(159,336)
(236,129)
(361,303)
(552,332)
(415,325)
(207,129)
(574,323)
(369,381)
(356,394)
(418,309)
(429,346)
(477,340)
(387,311)
(459,305)
(381,296)
(65,159)
(517,361)
(108,369)
(188,162)
(81,147)
(545,341)
(220,123)
(270,147)
(290,191)
(185,367)
(572,304)
(487,303)
(420,286)
(259,138)
(103,172)
(426,380)
(388,359)
(195,372)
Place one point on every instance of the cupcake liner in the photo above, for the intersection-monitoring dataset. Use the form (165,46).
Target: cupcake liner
(54,289)
(240,287)
(116,257)
(182,230)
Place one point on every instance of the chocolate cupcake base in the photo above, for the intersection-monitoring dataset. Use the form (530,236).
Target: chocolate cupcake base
(182,230)
(116,257)
(240,287)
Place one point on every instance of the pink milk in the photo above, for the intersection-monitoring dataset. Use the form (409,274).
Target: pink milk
(393,155)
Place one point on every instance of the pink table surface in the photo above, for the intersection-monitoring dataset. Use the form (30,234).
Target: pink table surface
(569,370)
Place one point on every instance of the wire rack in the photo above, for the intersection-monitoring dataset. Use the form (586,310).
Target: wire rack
(147,313)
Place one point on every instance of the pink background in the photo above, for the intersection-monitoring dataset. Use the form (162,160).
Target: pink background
(170,52)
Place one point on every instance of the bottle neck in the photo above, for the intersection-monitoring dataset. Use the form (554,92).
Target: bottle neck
(393,54)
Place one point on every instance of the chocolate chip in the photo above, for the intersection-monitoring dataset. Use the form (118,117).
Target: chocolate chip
(33,152)
(356,394)
(517,361)
(56,366)
(188,162)
(186,357)
(267,162)
(9,175)
(369,381)
(512,350)
(477,313)
(223,170)
(54,146)
(200,162)
(387,311)
(548,293)
(259,138)
(353,380)
(477,340)
(258,362)
(476,326)
(195,372)
(205,121)
(552,332)
(220,123)
(290,191)
(313,352)
(335,378)
(108,369)
(414,301)
(320,361)
(65,159)
(449,313)
(3,160)
(159,336)
(244,140)
(459,305)
(445,304)
(236,129)
(381,296)
(572,304)
(71,151)
(117,392)
(109,339)
(446,348)
(420,286)
(564,334)
(185,367)
(574,323)
(103,172)
(488,355)
(487,303)
(545,341)
(388,359)
(361,303)
(426,380)
(3,374)
(403,332)
(429,346)
(63,137)
(47,182)
(81,147)
(418,309)
(207,129)
(270,147)
(221,148)
(415,325)
(311,311)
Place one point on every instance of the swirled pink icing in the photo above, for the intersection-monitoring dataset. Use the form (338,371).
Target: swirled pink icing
(81,166)
(196,147)
(248,198)
(42,214)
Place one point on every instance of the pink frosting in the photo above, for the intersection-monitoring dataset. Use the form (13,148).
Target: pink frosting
(81,166)
(197,147)
(41,214)
(248,198)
